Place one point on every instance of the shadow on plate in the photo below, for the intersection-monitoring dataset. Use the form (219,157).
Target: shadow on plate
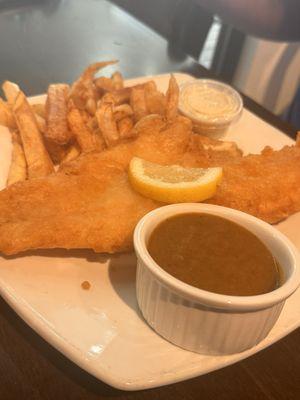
(87,254)
(122,272)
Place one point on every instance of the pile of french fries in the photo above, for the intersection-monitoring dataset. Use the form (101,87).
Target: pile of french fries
(92,114)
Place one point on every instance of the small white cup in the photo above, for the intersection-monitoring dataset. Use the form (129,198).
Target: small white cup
(202,321)
(214,126)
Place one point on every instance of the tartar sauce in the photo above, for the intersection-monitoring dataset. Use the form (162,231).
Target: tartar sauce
(207,102)
(211,105)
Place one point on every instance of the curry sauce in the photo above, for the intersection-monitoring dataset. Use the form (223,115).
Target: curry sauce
(214,254)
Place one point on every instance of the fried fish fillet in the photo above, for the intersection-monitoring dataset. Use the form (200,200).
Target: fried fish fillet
(266,185)
(89,202)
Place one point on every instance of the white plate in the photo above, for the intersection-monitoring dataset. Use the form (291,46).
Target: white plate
(101,329)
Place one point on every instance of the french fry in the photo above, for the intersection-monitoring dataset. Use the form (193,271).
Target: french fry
(56,151)
(6,115)
(86,117)
(72,153)
(86,138)
(92,124)
(91,106)
(41,123)
(11,91)
(138,103)
(107,124)
(172,99)
(125,126)
(155,100)
(150,86)
(39,109)
(56,114)
(117,80)
(109,97)
(17,170)
(147,124)
(38,160)
(84,87)
(105,84)
(92,69)
(120,96)
(122,111)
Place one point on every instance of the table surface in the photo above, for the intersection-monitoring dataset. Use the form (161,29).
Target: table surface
(51,41)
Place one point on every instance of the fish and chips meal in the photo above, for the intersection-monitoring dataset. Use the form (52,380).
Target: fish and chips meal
(98,155)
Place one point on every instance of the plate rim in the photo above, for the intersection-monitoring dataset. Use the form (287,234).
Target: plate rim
(36,322)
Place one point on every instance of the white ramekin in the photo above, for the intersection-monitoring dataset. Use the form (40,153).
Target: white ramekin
(199,320)
(213,126)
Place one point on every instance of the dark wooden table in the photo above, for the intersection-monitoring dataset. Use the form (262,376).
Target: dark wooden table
(51,41)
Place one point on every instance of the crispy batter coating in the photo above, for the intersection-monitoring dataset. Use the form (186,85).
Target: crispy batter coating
(265,185)
(89,202)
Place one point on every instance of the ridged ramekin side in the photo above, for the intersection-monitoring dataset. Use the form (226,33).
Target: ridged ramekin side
(194,326)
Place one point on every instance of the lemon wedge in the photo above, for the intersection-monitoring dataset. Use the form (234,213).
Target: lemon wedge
(173,183)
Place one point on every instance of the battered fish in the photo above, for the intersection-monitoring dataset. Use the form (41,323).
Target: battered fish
(89,203)
(266,185)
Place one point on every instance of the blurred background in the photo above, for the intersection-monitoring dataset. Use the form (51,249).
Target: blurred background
(266,71)
(42,41)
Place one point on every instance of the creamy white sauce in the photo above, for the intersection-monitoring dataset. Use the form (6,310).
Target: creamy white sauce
(208,102)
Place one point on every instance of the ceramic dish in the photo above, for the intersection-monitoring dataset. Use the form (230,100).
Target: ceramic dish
(101,329)
(202,321)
